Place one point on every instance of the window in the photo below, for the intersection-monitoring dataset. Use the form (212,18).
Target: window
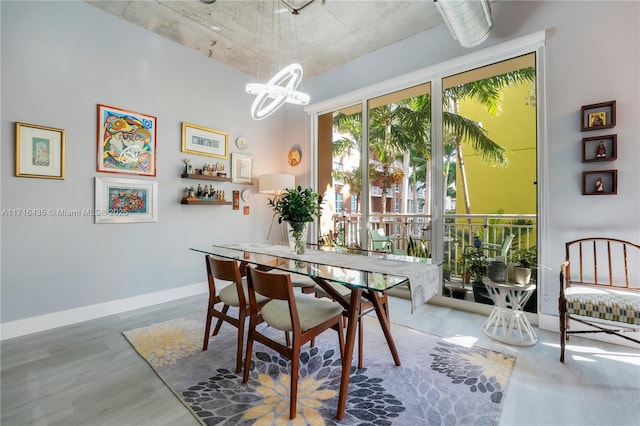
(339,202)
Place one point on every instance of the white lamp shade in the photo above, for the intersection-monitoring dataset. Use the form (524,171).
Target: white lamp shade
(468,20)
(275,183)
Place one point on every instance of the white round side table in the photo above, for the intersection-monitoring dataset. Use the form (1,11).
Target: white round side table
(507,322)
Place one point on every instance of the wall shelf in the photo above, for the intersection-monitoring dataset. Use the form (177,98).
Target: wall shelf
(199,201)
(601,182)
(206,177)
(592,153)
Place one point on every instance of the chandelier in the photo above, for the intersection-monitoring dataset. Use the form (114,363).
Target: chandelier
(282,87)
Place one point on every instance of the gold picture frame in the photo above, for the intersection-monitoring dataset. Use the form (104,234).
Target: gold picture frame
(597,119)
(39,151)
(204,141)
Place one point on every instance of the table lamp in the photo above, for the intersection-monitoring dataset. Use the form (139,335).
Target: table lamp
(274,184)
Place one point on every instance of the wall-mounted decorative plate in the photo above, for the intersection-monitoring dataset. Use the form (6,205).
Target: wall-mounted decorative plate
(241,143)
(245,195)
(294,157)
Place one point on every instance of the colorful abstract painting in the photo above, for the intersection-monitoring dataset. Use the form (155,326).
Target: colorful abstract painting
(126,141)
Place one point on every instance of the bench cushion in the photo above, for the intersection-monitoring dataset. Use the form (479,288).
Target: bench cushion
(604,303)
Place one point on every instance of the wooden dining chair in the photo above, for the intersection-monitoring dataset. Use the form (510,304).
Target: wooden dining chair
(233,295)
(365,307)
(303,316)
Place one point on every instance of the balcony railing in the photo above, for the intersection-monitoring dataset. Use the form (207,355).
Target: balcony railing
(459,231)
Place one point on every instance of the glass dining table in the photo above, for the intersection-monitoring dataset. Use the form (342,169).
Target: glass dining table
(366,273)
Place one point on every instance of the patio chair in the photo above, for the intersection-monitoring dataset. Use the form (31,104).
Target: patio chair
(498,249)
(380,242)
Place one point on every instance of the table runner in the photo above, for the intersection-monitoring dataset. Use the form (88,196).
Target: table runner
(423,277)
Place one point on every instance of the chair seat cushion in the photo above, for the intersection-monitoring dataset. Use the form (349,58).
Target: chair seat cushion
(345,292)
(311,310)
(604,303)
(229,295)
(298,280)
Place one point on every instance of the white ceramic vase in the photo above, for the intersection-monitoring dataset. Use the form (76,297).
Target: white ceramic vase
(521,275)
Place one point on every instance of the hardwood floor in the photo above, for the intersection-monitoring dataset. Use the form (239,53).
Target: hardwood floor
(87,374)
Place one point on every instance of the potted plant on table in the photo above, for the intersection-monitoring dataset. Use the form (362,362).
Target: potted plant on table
(474,264)
(526,265)
(297,207)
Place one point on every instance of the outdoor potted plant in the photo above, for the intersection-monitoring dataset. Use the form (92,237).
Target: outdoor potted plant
(525,263)
(474,264)
(297,207)
(525,268)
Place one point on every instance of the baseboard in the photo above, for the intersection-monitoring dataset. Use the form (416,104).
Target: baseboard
(39,323)
(552,323)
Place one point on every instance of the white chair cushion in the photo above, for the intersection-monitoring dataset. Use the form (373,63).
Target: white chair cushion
(311,310)
(229,295)
(297,280)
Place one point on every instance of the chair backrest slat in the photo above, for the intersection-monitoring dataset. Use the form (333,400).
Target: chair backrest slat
(596,259)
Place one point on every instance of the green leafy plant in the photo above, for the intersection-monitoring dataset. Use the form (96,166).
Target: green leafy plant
(297,205)
(417,248)
(527,258)
(474,263)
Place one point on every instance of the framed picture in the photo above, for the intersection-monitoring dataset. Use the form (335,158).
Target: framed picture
(126,141)
(39,151)
(598,116)
(240,168)
(126,200)
(236,200)
(597,119)
(602,182)
(600,148)
(202,141)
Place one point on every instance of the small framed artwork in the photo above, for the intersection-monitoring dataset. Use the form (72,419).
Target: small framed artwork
(126,141)
(601,148)
(236,200)
(601,182)
(126,200)
(598,116)
(241,168)
(203,141)
(39,151)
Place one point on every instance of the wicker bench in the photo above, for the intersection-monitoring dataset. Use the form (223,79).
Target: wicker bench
(600,280)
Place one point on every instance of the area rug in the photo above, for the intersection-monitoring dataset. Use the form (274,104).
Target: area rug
(439,382)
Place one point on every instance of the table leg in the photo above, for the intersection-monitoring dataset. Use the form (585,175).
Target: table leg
(374,298)
(347,357)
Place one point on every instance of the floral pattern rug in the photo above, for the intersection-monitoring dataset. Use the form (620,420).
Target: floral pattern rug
(438,383)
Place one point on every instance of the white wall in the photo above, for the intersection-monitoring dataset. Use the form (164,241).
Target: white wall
(592,55)
(59,60)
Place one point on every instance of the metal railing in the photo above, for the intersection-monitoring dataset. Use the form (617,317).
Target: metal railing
(459,231)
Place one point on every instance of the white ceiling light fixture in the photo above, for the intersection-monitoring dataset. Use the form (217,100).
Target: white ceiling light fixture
(282,87)
(469,21)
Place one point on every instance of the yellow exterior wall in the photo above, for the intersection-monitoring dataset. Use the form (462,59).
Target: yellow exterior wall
(509,188)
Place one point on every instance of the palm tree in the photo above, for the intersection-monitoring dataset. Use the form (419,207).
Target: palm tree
(402,130)
(488,93)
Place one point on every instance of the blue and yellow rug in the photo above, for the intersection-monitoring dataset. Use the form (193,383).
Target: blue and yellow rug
(439,382)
